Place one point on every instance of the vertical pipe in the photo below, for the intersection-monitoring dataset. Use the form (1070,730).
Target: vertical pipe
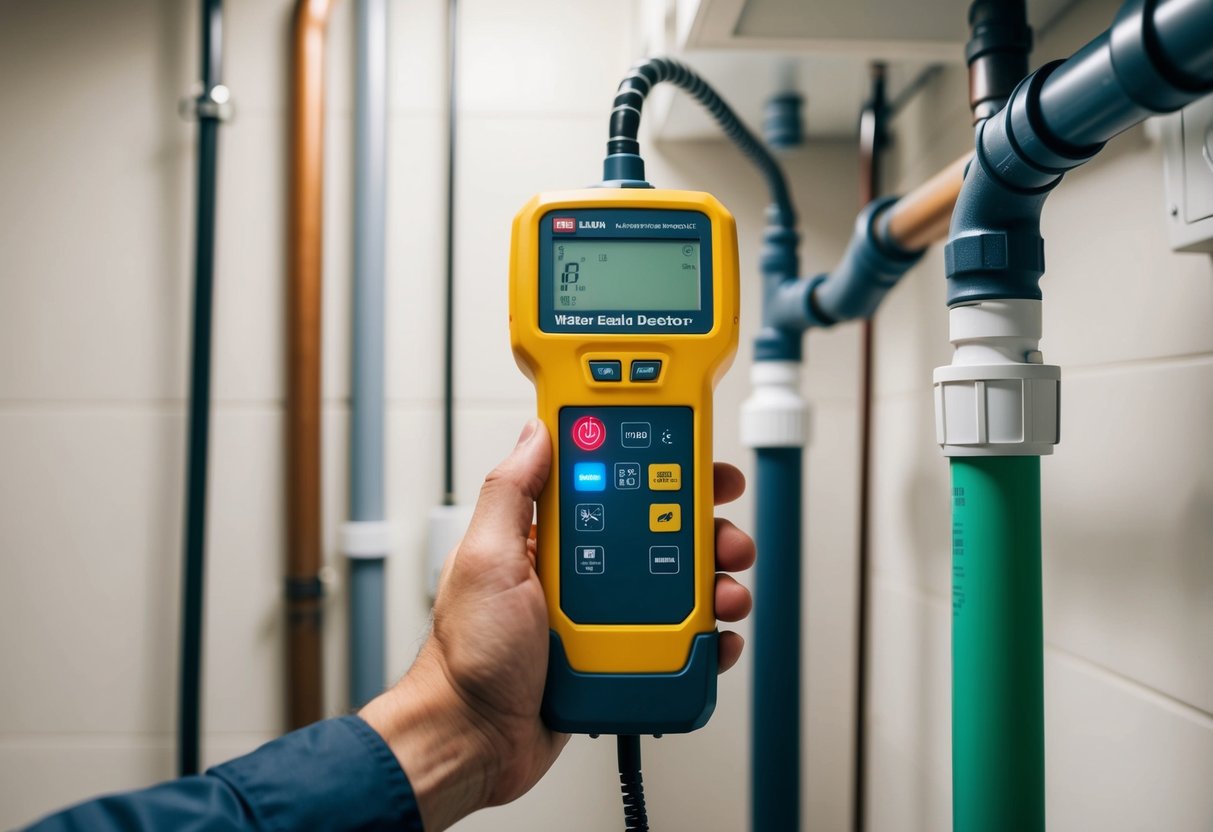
(193,573)
(997,646)
(367,632)
(448,364)
(304,592)
(775,755)
(871,143)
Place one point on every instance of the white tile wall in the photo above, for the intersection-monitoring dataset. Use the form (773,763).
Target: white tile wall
(1128,540)
(95,293)
(95,248)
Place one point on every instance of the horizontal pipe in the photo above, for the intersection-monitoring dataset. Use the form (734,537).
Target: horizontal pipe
(921,217)
(1153,59)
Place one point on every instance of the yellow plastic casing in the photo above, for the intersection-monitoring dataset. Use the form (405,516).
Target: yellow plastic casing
(557,364)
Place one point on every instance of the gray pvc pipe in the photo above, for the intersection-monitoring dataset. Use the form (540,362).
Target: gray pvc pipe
(367,633)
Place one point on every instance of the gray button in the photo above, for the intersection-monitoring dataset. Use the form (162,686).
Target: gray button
(636,434)
(606,370)
(645,370)
(590,517)
(663,560)
(591,560)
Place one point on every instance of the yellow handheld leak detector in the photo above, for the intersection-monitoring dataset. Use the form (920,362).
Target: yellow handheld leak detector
(624,314)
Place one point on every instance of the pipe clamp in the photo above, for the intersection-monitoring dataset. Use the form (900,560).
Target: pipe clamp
(363,539)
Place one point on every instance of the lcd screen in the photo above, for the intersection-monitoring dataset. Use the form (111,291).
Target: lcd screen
(606,274)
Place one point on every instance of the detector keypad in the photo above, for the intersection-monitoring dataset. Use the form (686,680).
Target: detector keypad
(627,514)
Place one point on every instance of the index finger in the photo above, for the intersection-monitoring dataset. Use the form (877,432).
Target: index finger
(728,482)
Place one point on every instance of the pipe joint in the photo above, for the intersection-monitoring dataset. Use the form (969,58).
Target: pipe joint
(997,397)
(871,266)
(776,414)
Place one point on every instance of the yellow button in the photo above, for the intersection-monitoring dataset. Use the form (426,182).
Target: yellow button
(665,476)
(665,517)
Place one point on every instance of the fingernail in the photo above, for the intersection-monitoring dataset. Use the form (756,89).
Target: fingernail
(528,430)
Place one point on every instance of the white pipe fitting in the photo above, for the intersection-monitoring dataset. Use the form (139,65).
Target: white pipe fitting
(997,397)
(775,415)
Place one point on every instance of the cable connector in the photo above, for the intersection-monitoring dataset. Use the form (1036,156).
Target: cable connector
(997,397)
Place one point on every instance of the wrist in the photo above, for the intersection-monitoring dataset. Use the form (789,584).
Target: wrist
(438,741)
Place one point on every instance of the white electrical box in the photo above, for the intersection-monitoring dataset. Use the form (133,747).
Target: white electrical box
(1188,163)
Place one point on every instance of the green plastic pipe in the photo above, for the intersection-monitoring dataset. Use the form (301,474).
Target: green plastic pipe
(998,782)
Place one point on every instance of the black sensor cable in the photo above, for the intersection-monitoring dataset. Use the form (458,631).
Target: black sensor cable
(623,161)
(632,783)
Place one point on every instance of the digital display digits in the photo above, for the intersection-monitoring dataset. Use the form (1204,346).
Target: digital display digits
(626,275)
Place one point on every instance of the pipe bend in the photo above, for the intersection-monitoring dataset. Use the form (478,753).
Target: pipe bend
(870,267)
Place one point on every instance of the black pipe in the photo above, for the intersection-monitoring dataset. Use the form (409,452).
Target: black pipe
(193,576)
(623,162)
(448,346)
(997,53)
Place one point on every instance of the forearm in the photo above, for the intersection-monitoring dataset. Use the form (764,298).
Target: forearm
(438,740)
(334,775)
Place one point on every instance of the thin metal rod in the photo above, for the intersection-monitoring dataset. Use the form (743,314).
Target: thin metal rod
(871,146)
(448,367)
(304,592)
(194,565)
(368,625)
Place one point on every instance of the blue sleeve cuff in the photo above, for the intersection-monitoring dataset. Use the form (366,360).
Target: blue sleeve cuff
(336,774)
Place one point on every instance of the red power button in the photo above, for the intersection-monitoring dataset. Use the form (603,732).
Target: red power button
(589,433)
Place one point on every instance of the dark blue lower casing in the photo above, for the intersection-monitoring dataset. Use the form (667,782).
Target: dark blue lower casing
(631,703)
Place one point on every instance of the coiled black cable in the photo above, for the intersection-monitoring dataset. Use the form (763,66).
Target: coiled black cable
(635,817)
(625,124)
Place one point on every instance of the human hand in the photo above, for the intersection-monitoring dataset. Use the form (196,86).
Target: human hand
(464,721)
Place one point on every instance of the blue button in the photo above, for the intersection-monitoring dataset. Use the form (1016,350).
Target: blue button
(645,370)
(589,476)
(606,370)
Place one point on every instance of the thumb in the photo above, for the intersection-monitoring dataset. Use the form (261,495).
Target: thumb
(507,498)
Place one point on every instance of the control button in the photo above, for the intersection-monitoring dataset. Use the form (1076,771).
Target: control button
(589,433)
(645,370)
(636,434)
(665,517)
(591,560)
(627,476)
(665,476)
(606,370)
(589,476)
(589,517)
(663,560)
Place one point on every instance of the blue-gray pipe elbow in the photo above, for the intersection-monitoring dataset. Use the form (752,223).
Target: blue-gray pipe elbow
(871,266)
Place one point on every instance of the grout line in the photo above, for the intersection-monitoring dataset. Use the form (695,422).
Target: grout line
(1192,359)
(1135,686)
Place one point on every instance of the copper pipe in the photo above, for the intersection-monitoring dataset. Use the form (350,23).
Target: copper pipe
(872,141)
(304,593)
(921,217)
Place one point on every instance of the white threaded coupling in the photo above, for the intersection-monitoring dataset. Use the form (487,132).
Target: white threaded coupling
(997,397)
(775,415)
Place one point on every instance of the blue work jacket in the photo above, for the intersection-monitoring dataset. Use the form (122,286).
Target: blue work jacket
(335,775)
